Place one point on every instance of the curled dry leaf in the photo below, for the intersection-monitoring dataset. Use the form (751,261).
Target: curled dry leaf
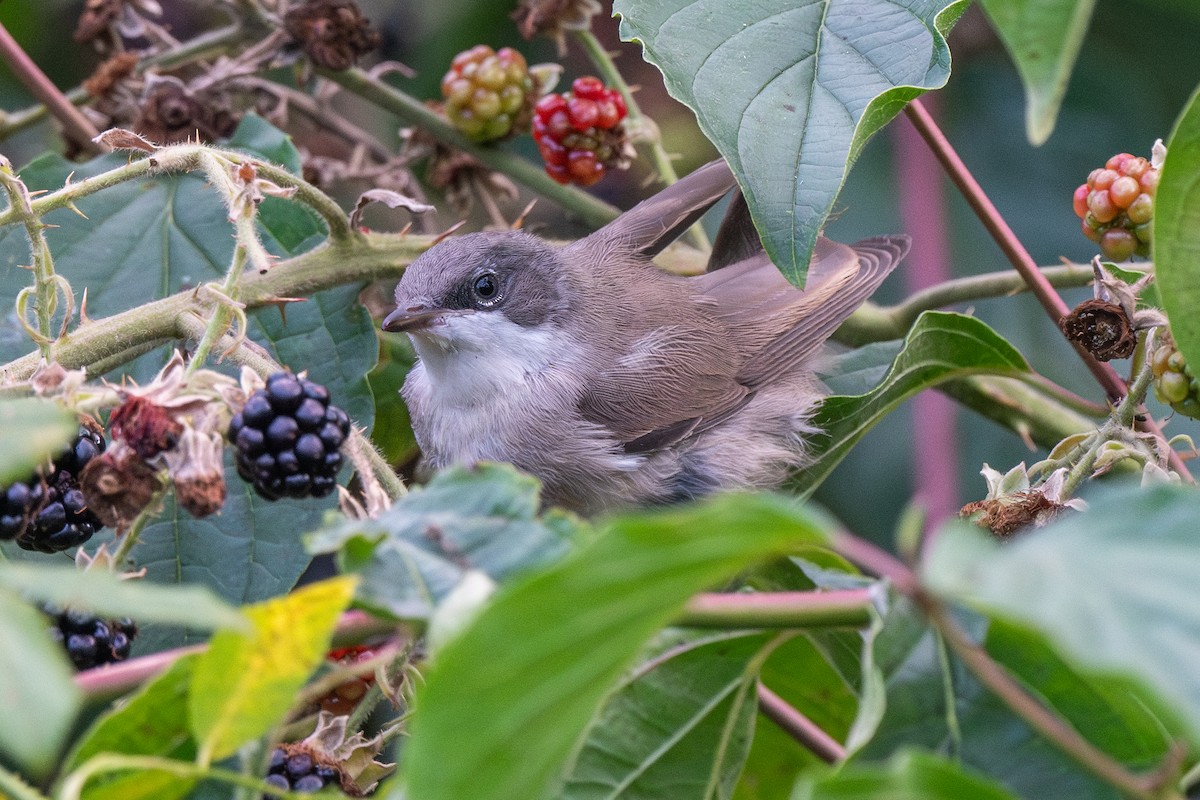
(390,199)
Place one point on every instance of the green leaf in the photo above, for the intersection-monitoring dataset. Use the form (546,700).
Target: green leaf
(678,726)
(38,696)
(103,592)
(941,346)
(1044,38)
(909,775)
(154,722)
(532,669)
(1113,588)
(483,517)
(923,679)
(31,431)
(245,684)
(789,91)
(1177,231)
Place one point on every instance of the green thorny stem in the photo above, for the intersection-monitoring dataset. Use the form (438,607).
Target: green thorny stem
(46,284)
(645,130)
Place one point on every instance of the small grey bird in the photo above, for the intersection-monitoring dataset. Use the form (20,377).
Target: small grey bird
(617,383)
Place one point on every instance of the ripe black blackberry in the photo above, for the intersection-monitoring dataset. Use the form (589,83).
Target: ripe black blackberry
(50,514)
(91,641)
(299,771)
(287,437)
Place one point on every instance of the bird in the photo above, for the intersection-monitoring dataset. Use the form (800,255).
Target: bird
(616,383)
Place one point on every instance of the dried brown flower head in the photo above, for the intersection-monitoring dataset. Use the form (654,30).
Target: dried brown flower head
(169,113)
(554,18)
(119,485)
(1102,328)
(198,472)
(333,33)
(147,428)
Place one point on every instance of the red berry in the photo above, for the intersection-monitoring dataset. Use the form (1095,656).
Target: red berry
(583,112)
(1141,209)
(1102,207)
(1118,244)
(549,104)
(1104,179)
(589,87)
(1149,181)
(1080,201)
(1090,232)
(584,168)
(1118,161)
(1124,190)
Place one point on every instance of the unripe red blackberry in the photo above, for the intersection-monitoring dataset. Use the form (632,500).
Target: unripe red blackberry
(287,437)
(49,513)
(489,93)
(1174,383)
(91,641)
(579,133)
(345,696)
(1116,206)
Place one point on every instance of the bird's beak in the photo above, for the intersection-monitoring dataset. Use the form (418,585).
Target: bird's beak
(416,318)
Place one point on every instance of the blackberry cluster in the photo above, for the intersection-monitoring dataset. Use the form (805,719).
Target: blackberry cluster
(299,772)
(1116,206)
(1174,383)
(287,438)
(579,134)
(50,514)
(90,641)
(488,93)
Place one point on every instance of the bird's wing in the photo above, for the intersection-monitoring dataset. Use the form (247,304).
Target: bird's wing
(657,221)
(673,382)
(781,326)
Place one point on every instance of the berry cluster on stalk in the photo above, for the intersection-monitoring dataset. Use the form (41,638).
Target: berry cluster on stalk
(1117,204)
(91,641)
(1174,383)
(47,511)
(298,771)
(579,133)
(489,93)
(287,437)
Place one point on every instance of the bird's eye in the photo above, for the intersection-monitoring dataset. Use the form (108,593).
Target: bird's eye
(486,288)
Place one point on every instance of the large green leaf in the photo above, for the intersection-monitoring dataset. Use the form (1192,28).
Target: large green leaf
(143,240)
(678,726)
(526,676)
(483,518)
(910,775)
(1177,231)
(38,698)
(1043,37)
(154,722)
(1113,588)
(245,683)
(31,431)
(789,91)
(105,593)
(941,346)
(935,702)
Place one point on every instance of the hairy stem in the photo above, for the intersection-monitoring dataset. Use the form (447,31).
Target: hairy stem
(799,727)
(45,286)
(590,209)
(872,323)
(850,608)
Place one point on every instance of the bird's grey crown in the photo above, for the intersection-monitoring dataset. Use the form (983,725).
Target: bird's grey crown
(528,271)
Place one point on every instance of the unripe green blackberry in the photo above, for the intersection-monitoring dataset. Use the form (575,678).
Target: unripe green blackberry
(580,134)
(489,94)
(287,437)
(47,511)
(1116,206)
(1174,383)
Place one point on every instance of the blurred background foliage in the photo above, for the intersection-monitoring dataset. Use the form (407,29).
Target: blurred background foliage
(1138,66)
